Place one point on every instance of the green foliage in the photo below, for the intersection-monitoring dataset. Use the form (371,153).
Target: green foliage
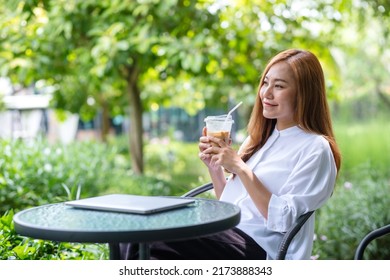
(190,54)
(35,173)
(15,247)
(358,206)
(360,201)
(90,56)
(175,162)
(2,105)
(201,51)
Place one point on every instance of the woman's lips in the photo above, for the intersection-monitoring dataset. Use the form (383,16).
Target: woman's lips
(266,104)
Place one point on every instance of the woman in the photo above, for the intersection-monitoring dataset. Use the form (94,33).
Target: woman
(286,167)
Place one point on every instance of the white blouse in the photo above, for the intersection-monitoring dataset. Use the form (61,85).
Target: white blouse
(299,170)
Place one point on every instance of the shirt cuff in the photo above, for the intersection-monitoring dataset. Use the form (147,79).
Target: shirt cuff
(279,215)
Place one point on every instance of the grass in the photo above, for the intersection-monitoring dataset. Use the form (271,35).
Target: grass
(364,144)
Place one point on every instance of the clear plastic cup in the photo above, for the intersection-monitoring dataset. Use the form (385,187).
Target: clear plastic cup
(219,126)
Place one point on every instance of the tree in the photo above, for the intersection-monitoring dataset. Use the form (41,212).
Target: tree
(364,56)
(99,50)
(122,56)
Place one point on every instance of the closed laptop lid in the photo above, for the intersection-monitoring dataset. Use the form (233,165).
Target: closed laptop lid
(130,203)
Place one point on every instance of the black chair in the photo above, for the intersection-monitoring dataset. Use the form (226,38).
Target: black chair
(368,238)
(288,236)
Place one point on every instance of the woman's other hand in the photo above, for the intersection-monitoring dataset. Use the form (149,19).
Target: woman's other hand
(215,152)
(204,144)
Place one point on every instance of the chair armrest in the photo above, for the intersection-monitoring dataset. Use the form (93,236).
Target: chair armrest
(290,234)
(198,190)
(368,238)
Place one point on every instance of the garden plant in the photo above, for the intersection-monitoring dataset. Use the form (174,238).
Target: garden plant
(35,173)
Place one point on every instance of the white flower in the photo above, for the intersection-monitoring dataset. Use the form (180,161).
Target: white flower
(46,151)
(48,167)
(348,185)
(315,257)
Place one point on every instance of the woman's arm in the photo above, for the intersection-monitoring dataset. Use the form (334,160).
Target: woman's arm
(219,181)
(255,188)
(222,155)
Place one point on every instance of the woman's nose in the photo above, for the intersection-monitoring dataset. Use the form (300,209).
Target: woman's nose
(267,92)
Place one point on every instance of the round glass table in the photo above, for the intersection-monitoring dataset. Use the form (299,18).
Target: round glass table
(59,222)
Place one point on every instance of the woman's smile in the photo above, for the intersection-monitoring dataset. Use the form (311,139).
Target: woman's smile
(268,104)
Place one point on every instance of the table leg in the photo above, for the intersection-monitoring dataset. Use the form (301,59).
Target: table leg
(144,251)
(114,251)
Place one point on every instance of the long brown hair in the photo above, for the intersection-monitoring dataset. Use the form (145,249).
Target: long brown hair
(312,110)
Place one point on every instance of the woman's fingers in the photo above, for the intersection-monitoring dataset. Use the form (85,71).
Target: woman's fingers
(217,141)
(204,131)
(212,150)
(203,156)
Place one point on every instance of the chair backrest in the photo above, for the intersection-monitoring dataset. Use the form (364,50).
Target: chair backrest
(198,190)
(288,236)
(368,238)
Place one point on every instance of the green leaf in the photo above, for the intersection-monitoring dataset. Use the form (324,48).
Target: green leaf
(197,62)
(123,45)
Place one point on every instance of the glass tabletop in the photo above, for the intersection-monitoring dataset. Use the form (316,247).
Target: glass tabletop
(64,223)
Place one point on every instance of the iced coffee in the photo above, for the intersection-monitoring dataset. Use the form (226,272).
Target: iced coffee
(224,135)
(219,126)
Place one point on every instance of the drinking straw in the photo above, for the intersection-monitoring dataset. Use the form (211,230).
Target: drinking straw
(230,112)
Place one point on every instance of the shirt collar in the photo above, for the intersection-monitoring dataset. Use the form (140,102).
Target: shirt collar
(288,131)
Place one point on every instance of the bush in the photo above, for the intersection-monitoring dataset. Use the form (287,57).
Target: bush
(358,206)
(15,247)
(36,173)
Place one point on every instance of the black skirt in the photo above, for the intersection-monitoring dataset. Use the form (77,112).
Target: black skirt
(232,244)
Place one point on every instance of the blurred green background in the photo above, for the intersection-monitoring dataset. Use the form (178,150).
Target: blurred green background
(142,61)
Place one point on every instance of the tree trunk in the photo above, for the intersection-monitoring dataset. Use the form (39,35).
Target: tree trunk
(136,128)
(105,122)
(382,95)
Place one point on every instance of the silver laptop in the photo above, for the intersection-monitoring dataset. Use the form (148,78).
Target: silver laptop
(130,203)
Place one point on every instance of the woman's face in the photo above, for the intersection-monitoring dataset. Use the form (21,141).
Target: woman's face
(278,95)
